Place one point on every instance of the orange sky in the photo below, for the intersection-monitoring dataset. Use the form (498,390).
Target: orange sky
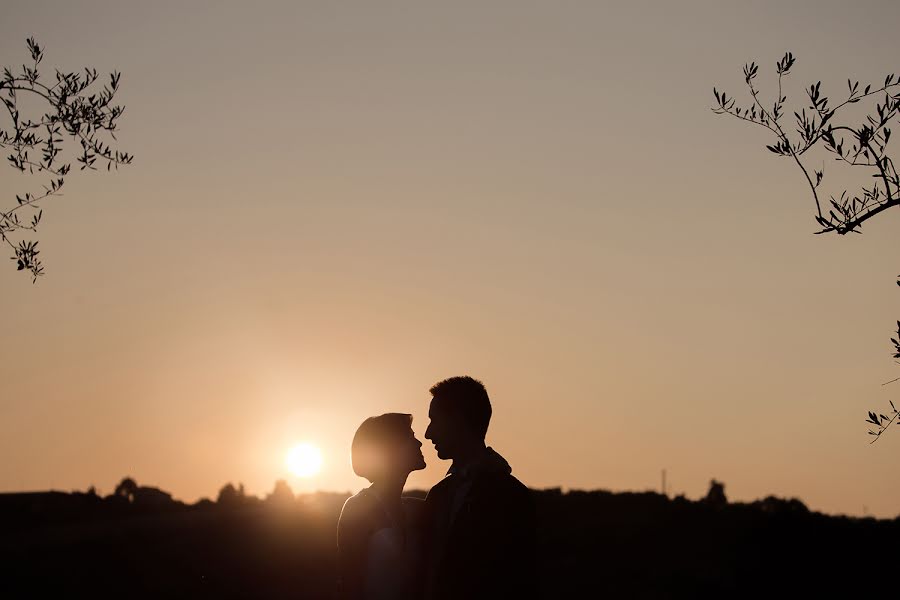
(333,207)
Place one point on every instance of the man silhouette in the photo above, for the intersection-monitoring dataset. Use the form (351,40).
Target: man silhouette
(481,518)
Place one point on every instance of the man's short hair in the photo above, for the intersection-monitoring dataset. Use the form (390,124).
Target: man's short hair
(468,396)
(374,441)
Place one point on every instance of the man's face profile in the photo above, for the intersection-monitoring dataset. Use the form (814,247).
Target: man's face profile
(446,430)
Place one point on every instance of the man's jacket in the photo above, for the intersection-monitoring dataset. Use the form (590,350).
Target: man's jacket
(482,534)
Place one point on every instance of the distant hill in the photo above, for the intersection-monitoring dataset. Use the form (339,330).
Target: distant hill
(140,543)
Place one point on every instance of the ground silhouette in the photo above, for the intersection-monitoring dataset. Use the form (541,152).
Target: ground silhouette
(140,543)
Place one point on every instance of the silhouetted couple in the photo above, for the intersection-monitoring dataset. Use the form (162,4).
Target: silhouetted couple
(472,537)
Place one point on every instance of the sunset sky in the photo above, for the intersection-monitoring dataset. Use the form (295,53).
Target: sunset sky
(333,205)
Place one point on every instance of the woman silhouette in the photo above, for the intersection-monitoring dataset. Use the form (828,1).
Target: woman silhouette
(377,533)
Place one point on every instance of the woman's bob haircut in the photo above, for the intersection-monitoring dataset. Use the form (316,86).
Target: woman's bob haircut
(372,450)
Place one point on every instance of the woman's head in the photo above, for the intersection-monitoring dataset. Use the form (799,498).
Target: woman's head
(385,446)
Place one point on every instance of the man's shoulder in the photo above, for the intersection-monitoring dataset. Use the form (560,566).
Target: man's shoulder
(440,489)
(502,483)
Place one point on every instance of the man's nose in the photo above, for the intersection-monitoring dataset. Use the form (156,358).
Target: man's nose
(427,433)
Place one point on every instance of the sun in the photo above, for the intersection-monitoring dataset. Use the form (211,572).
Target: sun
(304,460)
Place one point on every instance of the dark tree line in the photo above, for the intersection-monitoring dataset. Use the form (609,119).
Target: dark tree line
(590,544)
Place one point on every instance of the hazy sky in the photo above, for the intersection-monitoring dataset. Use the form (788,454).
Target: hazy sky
(334,205)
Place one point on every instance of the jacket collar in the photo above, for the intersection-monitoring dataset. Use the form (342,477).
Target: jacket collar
(488,462)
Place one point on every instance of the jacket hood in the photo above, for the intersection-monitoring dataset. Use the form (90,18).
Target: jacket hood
(493,462)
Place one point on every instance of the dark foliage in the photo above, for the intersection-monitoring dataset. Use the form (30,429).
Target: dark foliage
(74,110)
(861,144)
(591,544)
(855,145)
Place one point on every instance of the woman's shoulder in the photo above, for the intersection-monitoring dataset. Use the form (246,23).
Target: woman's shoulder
(361,511)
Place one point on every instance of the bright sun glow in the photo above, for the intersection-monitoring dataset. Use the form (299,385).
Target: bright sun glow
(304,460)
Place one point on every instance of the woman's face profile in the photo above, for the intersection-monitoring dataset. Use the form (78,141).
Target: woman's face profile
(411,450)
(386,447)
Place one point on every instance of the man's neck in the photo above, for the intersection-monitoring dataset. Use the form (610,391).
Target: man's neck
(468,457)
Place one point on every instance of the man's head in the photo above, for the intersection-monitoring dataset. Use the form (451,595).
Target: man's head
(460,412)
